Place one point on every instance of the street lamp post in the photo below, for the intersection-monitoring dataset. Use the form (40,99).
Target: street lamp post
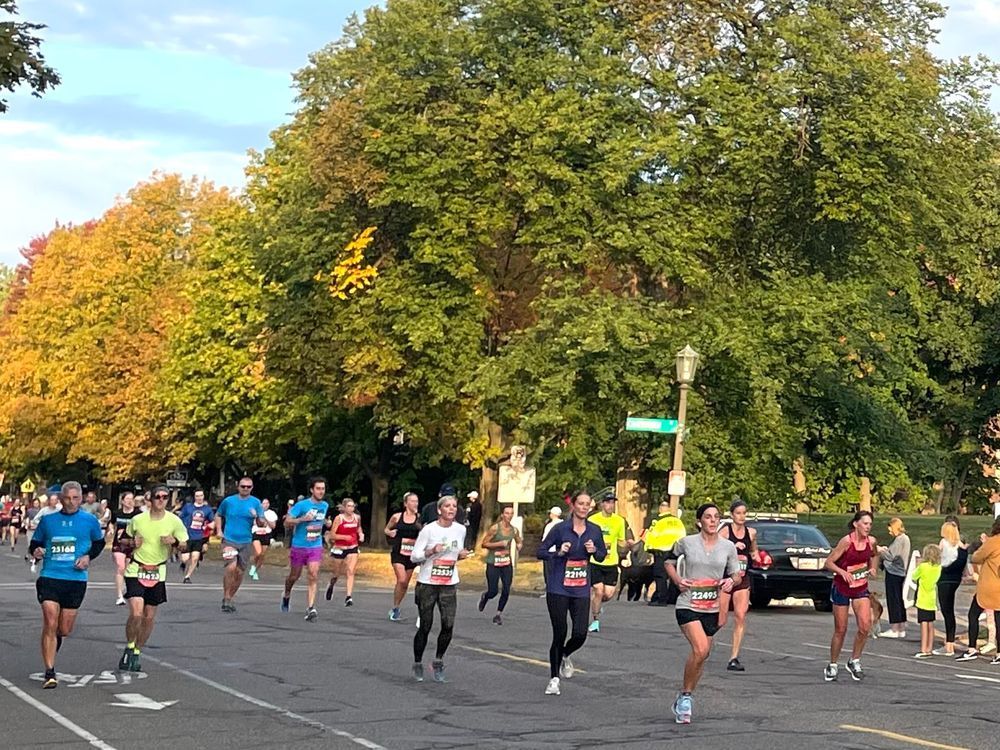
(687,364)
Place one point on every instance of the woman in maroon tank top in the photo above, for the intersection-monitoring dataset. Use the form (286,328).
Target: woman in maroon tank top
(852,563)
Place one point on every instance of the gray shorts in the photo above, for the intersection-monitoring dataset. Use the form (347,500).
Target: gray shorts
(238,553)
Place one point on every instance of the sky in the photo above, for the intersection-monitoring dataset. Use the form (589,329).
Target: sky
(190,86)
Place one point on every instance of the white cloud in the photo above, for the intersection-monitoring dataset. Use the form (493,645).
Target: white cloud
(51,176)
(977,11)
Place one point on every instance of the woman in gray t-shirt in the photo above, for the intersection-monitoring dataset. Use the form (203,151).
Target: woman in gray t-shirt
(710,565)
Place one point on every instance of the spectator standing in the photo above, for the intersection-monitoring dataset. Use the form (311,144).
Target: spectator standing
(895,559)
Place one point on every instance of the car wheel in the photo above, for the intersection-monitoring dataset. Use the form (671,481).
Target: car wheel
(759,601)
(823,605)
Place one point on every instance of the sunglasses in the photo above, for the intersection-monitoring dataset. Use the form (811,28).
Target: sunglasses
(161,496)
(246,486)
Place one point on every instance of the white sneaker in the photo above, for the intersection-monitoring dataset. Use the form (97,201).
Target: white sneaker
(942,652)
(553,687)
(34,567)
(566,669)
(120,601)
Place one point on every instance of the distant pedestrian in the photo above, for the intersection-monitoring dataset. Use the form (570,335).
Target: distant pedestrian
(473,519)
(926,576)
(895,559)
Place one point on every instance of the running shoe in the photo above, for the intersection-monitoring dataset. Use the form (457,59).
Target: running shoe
(682,709)
(830,672)
(942,652)
(970,655)
(348,601)
(394,614)
(50,680)
(497,619)
(187,579)
(566,668)
(855,670)
(995,660)
(438,670)
(735,666)
(228,606)
(329,592)
(417,623)
(923,655)
(133,662)
(311,614)
(553,687)
(989,648)
(253,573)
(285,601)
(595,627)
(418,672)
(123,662)
(482,602)
(34,569)
(120,601)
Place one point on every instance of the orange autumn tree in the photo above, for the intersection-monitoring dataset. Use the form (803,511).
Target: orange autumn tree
(87,341)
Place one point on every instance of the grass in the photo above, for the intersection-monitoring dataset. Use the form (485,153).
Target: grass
(922,530)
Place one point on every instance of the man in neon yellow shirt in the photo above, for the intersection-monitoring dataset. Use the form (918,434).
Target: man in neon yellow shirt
(155,533)
(604,574)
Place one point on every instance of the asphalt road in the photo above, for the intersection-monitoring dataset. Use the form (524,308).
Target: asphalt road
(261,678)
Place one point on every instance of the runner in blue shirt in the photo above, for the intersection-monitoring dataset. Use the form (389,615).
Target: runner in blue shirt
(307,519)
(197,517)
(236,516)
(65,542)
(568,547)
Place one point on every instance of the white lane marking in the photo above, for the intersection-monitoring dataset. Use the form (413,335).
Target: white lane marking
(57,717)
(269,706)
(976,677)
(138,700)
(107,677)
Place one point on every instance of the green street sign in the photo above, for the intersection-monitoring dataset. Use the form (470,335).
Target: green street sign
(651,424)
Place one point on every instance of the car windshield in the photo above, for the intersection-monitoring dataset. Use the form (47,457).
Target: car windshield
(776,535)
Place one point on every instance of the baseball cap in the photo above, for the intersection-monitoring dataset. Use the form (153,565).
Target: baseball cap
(555,510)
(473,494)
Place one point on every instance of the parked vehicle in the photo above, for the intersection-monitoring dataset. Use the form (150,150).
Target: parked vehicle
(790,563)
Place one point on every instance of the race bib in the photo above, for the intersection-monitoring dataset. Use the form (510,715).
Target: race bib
(859,574)
(743,565)
(501,559)
(406,546)
(442,571)
(197,522)
(63,548)
(313,532)
(705,594)
(576,574)
(149,575)
(230,553)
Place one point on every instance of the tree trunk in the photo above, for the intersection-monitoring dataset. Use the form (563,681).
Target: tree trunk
(959,488)
(633,497)
(378,475)
(489,483)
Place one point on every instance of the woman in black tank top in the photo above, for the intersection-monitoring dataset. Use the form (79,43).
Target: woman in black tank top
(745,540)
(402,529)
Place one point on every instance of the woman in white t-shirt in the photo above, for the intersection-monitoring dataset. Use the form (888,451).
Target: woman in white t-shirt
(263,530)
(439,546)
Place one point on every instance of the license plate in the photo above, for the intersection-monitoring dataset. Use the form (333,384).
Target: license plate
(808,563)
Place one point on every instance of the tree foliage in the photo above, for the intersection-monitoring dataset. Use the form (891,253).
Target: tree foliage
(21,61)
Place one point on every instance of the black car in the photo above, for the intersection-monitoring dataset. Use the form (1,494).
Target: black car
(792,565)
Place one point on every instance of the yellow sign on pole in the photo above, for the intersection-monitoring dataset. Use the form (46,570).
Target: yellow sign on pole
(27,486)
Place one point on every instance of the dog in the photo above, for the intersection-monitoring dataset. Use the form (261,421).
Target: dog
(637,574)
(876,605)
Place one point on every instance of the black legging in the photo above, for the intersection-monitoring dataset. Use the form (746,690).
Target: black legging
(578,608)
(894,598)
(974,611)
(499,578)
(446,599)
(946,602)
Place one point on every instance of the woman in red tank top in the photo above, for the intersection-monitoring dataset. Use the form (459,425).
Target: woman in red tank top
(345,537)
(852,563)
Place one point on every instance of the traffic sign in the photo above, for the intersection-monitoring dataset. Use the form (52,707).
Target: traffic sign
(177,479)
(651,424)
(677,483)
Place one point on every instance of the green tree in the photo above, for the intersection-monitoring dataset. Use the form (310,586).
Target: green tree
(21,61)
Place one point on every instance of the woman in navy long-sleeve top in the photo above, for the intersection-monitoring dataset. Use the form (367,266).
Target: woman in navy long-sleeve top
(568,548)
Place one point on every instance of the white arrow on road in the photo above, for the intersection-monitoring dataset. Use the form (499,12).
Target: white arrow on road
(138,700)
